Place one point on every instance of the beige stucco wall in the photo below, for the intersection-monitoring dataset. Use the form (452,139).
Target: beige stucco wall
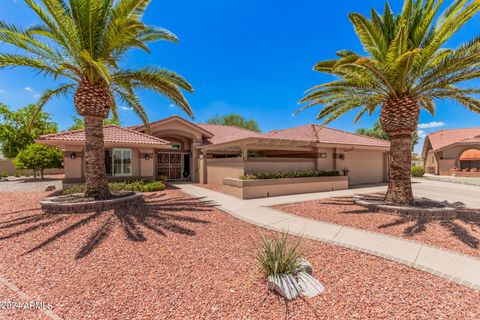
(6,166)
(441,162)
(141,168)
(364,166)
(218,169)
(254,165)
(253,189)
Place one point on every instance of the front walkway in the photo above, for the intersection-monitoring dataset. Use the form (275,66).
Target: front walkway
(453,266)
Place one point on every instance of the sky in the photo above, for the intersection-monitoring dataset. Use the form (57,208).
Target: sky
(250,57)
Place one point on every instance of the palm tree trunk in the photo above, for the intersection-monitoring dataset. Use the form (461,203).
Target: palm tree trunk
(399,119)
(400,184)
(96,185)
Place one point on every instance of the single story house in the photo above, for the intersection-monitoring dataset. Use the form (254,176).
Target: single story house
(453,152)
(208,153)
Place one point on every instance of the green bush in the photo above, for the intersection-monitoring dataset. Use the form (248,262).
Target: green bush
(135,185)
(291,174)
(39,157)
(418,171)
(17,174)
(278,255)
(4,175)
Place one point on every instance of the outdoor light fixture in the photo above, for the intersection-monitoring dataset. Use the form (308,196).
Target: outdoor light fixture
(147,157)
(73,155)
(323,155)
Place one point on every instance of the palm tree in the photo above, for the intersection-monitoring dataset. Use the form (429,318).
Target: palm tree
(90,39)
(405,70)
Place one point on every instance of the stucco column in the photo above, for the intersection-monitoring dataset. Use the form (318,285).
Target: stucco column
(320,163)
(194,173)
(244,148)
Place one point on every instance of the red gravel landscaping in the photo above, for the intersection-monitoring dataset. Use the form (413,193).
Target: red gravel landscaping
(460,235)
(180,258)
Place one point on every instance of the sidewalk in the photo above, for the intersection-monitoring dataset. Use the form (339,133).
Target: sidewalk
(453,266)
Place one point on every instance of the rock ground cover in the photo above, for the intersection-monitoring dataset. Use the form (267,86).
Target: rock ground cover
(461,235)
(181,258)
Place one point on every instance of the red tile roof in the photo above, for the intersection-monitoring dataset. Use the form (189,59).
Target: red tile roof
(447,137)
(112,134)
(314,133)
(228,133)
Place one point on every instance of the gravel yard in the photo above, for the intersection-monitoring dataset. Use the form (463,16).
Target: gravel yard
(22,184)
(458,235)
(180,258)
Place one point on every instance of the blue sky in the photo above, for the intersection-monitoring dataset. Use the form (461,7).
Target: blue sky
(246,56)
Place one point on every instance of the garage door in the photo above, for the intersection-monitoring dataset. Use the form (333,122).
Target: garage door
(365,166)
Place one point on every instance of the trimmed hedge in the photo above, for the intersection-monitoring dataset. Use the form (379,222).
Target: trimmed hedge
(417,171)
(136,185)
(290,174)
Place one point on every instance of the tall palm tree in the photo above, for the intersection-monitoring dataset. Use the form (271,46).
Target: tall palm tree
(83,43)
(405,70)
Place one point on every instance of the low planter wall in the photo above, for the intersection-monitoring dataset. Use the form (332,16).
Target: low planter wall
(263,188)
(466,174)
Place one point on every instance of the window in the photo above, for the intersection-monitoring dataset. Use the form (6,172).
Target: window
(118,162)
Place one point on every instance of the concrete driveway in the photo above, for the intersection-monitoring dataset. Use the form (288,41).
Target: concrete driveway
(468,195)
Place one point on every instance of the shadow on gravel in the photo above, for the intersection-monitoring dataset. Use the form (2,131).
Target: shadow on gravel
(457,230)
(157,214)
(421,225)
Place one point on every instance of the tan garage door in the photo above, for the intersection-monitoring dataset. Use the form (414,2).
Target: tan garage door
(365,166)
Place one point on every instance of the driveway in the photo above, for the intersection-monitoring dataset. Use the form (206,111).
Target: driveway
(468,195)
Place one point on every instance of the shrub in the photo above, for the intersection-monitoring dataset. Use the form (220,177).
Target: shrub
(135,185)
(4,175)
(279,255)
(290,174)
(39,157)
(17,174)
(418,171)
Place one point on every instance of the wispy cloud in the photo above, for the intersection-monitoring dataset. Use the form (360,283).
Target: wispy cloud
(421,134)
(125,108)
(37,95)
(171,105)
(430,125)
(28,88)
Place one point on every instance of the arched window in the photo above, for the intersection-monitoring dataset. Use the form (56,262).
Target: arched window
(470,159)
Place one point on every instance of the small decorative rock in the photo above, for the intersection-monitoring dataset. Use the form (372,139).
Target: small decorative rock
(50,188)
(309,286)
(305,266)
(285,285)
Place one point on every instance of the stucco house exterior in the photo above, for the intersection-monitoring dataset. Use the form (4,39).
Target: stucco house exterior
(453,152)
(207,153)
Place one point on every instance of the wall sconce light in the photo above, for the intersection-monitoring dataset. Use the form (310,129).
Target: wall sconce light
(73,155)
(147,157)
(323,155)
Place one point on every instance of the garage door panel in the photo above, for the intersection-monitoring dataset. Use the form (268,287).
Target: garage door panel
(364,166)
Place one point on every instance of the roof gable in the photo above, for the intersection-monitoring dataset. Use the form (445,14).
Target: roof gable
(207,134)
(444,138)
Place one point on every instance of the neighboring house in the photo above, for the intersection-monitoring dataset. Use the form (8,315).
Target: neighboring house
(207,153)
(447,152)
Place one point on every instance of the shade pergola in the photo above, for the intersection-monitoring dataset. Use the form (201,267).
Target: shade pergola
(470,155)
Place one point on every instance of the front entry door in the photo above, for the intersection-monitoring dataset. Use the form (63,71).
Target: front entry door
(170,165)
